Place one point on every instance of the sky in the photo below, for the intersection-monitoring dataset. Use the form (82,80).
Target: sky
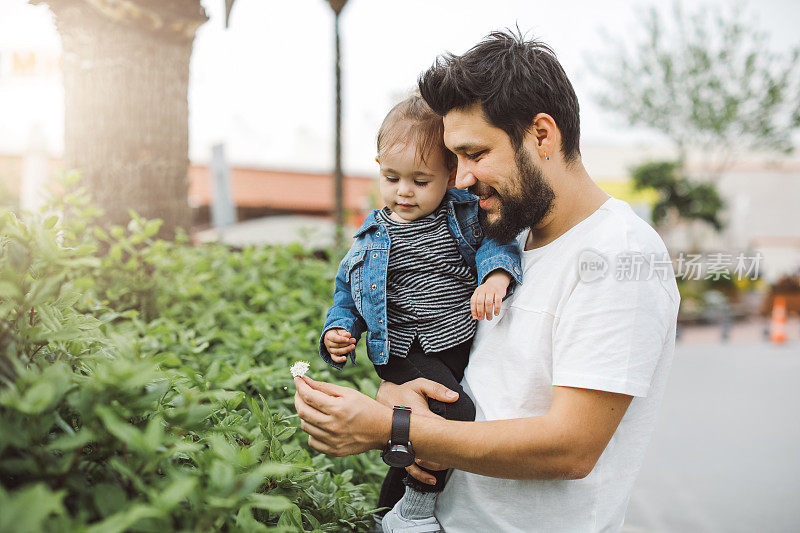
(264,86)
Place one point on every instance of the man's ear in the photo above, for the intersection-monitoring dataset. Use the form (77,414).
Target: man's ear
(545,135)
(451,180)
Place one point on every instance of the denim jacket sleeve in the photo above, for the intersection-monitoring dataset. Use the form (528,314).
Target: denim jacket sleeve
(343,314)
(492,255)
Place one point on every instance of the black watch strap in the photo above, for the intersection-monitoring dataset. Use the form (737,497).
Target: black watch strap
(401,425)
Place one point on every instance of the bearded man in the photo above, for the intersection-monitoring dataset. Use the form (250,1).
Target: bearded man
(567,380)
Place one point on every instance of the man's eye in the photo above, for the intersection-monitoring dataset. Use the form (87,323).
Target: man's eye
(475,155)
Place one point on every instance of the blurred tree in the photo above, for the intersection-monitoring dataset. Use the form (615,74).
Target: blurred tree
(707,80)
(677,195)
(126,76)
(338,176)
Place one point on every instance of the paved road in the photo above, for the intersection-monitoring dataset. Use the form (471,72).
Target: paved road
(725,456)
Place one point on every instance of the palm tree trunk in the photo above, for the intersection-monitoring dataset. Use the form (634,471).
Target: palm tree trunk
(126,77)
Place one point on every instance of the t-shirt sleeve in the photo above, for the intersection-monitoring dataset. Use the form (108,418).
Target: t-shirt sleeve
(611,333)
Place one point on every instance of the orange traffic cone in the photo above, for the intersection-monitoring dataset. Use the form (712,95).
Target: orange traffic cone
(777,326)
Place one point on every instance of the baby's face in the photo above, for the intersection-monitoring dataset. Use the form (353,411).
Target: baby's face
(410,187)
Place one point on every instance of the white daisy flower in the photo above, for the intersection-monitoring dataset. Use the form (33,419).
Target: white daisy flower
(299,369)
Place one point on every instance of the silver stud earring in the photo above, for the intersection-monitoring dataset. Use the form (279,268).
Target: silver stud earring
(546,156)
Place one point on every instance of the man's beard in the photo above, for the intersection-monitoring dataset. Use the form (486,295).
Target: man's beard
(527,209)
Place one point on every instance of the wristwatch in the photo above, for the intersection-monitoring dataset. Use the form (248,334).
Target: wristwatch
(398,451)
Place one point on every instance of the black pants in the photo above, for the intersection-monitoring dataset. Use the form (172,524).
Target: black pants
(446,367)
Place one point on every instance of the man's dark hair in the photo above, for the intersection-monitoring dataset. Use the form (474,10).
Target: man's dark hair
(513,79)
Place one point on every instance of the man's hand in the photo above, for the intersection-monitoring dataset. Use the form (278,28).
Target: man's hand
(488,297)
(339,342)
(415,394)
(339,420)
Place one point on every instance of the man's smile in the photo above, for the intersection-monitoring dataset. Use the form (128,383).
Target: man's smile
(488,196)
(488,201)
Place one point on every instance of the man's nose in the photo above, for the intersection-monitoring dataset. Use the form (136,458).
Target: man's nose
(464,177)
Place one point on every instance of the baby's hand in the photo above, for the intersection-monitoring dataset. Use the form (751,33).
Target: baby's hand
(489,295)
(339,342)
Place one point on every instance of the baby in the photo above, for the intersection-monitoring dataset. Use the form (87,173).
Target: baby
(418,276)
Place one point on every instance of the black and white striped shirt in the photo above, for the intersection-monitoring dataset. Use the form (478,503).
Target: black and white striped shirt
(428,285)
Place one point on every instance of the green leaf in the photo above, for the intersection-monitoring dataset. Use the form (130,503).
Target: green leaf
(38,398)
(109,498)
(221,475)
(68,443)
(117,232)
(28,509)
(121,430)
(270,502)
(230,399)
(168,360)
(123,521)
(50,221)
(63,334)
(292,518)
(176,492)
(44,290)
(50,317)
(245,520)
(99,233)
(68,298)
(152,227)
(115,253)
(10,291)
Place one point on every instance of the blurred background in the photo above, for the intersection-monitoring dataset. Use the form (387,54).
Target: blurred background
(254,123)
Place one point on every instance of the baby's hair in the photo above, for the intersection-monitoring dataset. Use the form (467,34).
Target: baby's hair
(412,120)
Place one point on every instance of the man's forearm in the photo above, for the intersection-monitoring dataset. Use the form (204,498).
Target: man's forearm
(565,443)
(521,448)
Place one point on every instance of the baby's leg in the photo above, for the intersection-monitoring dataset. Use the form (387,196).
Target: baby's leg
(447,368)
(398,371)
(415,510)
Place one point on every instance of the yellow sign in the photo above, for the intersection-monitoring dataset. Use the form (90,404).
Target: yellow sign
(625,191)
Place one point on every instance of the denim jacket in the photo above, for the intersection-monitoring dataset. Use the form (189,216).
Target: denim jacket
(359,298)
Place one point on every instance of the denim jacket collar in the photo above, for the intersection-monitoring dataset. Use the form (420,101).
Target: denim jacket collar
(370,222)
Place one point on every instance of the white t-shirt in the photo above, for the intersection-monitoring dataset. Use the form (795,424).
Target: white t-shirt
(597,310)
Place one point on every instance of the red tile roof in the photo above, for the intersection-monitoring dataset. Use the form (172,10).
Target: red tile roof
(283,190)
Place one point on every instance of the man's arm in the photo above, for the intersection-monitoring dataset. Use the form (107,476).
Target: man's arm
(565,443)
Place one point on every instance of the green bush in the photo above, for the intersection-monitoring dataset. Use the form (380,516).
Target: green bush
(144,384)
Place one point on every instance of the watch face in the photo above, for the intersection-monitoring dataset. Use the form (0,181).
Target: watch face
(398,455)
